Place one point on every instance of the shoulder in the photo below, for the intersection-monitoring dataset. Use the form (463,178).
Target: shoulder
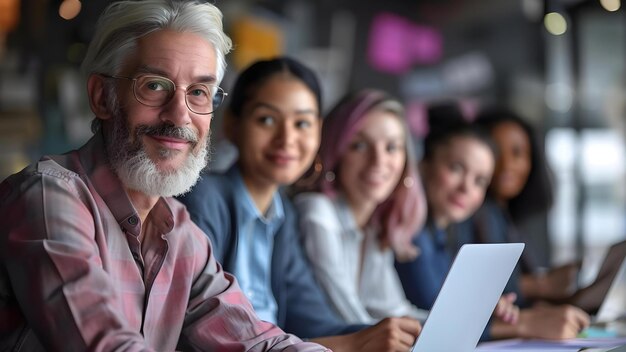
(210,183)
(489,208)
(62,167)
(320,211)
(423,238)
(47,174)
(490,216)
(314,203)
(210,193)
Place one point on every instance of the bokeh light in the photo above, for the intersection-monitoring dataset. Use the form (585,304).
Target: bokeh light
(611,5)
(69,9)
(555,23)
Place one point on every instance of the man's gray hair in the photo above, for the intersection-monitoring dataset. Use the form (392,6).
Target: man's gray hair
(123,22)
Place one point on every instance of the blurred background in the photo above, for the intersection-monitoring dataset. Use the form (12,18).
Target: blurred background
(561,64)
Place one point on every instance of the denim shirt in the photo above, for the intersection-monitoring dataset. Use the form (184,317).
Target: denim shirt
(252,262)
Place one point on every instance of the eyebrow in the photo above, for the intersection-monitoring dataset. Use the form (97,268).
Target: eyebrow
(156,71)
(392,137)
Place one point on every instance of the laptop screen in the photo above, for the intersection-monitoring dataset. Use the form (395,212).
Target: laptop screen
(614,305)
(468,297)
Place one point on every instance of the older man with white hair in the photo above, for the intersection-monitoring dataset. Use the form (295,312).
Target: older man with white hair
(94,253)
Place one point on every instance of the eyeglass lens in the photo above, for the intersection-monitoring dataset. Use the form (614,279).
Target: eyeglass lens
(157,91)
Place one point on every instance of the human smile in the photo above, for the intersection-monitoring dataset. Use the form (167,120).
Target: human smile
(374,179)
(280,159)
(457,203)
(171,142)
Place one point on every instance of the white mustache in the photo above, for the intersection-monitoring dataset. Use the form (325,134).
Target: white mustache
(165,130)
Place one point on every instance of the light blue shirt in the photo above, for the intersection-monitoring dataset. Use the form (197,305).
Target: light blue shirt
(255,243)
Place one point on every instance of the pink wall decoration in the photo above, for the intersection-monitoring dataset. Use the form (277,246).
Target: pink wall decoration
(396,44)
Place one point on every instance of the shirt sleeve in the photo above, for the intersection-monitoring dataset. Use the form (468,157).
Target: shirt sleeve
(52,262)
(385,296)
(219,314)
(309,314)
(322,239)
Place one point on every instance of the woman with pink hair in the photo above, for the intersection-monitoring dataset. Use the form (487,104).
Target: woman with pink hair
(364,208)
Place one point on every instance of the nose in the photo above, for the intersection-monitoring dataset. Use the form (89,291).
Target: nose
(465,184)
(505,161)
(286,134)
(175,111)
(378,155)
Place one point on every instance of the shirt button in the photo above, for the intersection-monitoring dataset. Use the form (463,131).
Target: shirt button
(136,256)
(133,220)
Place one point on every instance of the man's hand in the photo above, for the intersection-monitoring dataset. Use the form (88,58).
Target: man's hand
(389,335)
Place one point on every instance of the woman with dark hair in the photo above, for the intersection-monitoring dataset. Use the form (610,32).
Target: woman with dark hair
(274,121)
(530,191)
(456,169)
(521,188)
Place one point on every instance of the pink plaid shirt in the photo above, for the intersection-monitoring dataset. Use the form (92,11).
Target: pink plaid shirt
(74,276)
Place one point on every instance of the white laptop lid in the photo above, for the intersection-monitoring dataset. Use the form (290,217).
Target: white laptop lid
(468,297)
(614,304)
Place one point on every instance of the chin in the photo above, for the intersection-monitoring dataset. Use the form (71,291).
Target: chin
(168,166)
(374,198)
(287,181)
(456,218)
(290,174)
(381,196)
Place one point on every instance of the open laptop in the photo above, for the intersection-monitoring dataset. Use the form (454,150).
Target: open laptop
(468,297)
(591,297)
(614,305)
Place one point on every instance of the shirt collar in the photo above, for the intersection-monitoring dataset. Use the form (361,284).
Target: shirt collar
(346,217)
(106,183)
(247,209)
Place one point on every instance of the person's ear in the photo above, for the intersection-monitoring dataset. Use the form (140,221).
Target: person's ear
(98,96)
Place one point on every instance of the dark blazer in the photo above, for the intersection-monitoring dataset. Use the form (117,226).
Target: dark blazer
(303,309)
(423,277)
(492,224)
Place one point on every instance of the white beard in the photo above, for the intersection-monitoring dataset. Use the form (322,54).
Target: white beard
(138,172)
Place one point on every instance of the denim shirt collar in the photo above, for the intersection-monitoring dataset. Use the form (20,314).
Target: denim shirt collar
(247,210)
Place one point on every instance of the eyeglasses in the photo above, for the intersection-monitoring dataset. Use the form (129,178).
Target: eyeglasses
(157,91)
